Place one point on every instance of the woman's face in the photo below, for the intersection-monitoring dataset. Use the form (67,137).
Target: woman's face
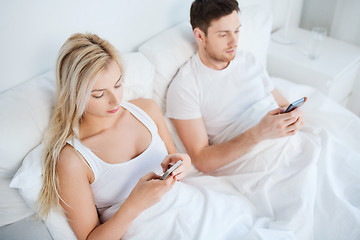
(107,93)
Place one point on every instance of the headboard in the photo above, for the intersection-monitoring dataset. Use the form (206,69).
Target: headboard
(32,32)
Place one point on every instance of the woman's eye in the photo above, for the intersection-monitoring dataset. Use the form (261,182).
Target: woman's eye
(119,85)
(98,96)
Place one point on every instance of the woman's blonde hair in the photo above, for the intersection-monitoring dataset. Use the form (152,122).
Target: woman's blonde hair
(80,60)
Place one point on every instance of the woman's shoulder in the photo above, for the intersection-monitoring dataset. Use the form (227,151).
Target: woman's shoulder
(69,160)
(143,102)
(72,168)
(149,106)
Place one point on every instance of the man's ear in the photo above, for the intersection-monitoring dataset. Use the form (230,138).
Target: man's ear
(199,35)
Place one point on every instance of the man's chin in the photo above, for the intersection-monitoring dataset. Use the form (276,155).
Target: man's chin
(233,56)
(229,57)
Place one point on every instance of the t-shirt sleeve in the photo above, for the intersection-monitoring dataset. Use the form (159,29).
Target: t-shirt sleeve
(182,98)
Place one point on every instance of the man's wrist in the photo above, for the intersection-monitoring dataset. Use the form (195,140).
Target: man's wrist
(254,135)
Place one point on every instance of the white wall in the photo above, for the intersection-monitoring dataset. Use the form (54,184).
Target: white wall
(346,21)
(317,13)
(27,51)
(32,31)
(340,17)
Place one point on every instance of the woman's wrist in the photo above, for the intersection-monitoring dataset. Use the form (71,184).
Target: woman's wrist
(130,209)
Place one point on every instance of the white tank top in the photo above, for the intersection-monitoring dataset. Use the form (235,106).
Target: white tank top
(114,182)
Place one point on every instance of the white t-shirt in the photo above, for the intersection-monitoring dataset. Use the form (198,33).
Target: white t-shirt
(218,96)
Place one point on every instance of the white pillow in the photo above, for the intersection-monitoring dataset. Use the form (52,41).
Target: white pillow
(25,114)
(28,179)
(139,76)
(169,50)
(255,32)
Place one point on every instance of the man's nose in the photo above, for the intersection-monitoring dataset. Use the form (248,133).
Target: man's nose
(232,40)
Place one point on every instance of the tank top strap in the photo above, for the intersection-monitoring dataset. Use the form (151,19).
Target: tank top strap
(87,155)
(141,116)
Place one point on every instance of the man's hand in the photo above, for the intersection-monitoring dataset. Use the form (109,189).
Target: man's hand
(276,124)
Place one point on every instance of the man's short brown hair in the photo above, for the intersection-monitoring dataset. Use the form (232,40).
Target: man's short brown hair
(202,12)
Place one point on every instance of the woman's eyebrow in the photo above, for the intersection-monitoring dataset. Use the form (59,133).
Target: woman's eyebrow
(119,79)
(99,90)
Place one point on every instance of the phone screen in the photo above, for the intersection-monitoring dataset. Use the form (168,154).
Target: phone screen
(170,170)
(295,104)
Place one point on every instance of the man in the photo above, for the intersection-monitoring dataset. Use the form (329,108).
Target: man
(219,84)
(217,102)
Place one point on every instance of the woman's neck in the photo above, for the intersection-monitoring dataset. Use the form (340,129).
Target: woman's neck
(93,125)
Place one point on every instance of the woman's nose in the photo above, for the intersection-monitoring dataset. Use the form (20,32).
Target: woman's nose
(114,99)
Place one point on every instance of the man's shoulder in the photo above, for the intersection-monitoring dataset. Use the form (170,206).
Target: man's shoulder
(186,72)
(189,68)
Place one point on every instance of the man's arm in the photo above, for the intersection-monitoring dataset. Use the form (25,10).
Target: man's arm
(207,158)
(281,101)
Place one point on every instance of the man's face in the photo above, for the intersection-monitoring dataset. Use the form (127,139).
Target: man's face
(221,41)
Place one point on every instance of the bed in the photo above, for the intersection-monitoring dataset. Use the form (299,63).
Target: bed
(327,180)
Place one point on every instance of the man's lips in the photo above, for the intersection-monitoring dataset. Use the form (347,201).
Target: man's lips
(231,50)
(114,110)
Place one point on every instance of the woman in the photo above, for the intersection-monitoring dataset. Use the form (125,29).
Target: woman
(128,141)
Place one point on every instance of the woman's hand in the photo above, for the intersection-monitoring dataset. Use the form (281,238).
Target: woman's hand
(182,170)
(148,191)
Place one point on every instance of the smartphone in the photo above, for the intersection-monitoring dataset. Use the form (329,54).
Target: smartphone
(295,104)
(170,170)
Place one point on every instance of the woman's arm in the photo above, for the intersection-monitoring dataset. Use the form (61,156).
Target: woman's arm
(153,110)
(75,178)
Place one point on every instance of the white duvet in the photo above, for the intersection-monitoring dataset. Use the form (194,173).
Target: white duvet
(305,187)
(190,211)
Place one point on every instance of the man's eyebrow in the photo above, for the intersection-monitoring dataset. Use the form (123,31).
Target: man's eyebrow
(228,30)
(99,90)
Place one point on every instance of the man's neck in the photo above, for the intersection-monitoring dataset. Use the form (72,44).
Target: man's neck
(211,62)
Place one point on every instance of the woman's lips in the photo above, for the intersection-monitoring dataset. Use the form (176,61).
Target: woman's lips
(114,110)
